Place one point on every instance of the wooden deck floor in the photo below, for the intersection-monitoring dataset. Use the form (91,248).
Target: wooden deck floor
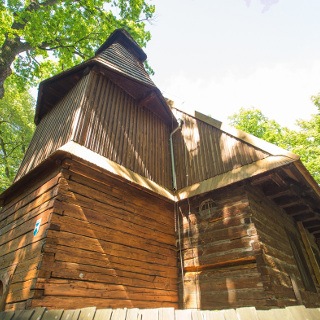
(250,313)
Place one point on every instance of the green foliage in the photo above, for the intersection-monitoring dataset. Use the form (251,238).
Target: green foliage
(16,129)
(42,38)
(253,121)
(305,141)
(35,32)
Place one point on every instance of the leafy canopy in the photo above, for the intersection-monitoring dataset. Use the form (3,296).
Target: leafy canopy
(34,32)
(16,129)
(39,38)
(304,142)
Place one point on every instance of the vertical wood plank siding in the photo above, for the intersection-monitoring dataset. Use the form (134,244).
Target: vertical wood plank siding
(114,126)
(21,249)
(54,130)
(112,245)
(102,117)
(203,151)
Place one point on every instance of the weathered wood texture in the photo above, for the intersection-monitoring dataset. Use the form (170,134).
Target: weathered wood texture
(113,125)
(218,243)
(236,252)
(101,116)
(276,260)
(55,129)
(21,249)
(296,313)
(108,245)
(202,151)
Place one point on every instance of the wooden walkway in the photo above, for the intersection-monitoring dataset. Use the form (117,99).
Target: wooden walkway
(250,313)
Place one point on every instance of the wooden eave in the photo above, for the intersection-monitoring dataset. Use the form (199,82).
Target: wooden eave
(145,95)
(247,138)
(294,190)
(72,150)
(52,90)
(281,177)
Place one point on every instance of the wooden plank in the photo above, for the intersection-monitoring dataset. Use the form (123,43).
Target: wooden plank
(38,313)
(70,314)
(24,315)
(265,314)
(105,261)
(108,230)
(87,313)
(107,247)
(119,314)
(7,315)
(166,314)
(312,258)
(196,315)
(274,314)
(183,315)
(247,313)
(52,315)
(103,314)
(146,314)
(132,314)
(102,182)
(106,290)
(213,315)
(298,312)
(40,195)
(314,313)
(230,314)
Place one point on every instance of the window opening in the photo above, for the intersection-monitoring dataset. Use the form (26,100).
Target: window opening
(208,209)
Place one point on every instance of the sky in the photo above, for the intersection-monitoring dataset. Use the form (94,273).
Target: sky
(216,56)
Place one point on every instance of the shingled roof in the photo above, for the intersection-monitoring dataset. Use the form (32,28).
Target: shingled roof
(122,60)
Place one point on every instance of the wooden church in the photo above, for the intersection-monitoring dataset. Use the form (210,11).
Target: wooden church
(124,201)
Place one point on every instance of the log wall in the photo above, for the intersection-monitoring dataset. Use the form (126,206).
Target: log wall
(237,252)
(108,245)
(277,262)
(21,250)
(219,245)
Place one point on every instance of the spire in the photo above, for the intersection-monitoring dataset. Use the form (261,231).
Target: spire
(122,37)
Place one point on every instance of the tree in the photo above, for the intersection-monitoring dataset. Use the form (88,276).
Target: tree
(16,128)
(252,120)
(305,141)
(32,32)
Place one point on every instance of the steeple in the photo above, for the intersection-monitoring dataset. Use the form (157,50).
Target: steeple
(122,37)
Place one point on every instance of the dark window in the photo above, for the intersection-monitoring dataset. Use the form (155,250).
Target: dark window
(208,210)
(301,262)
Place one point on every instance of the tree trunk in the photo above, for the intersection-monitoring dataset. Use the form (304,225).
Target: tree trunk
(8,52)
(5,158)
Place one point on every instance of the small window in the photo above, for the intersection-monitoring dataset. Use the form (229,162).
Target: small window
(208,210)
(301,262)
